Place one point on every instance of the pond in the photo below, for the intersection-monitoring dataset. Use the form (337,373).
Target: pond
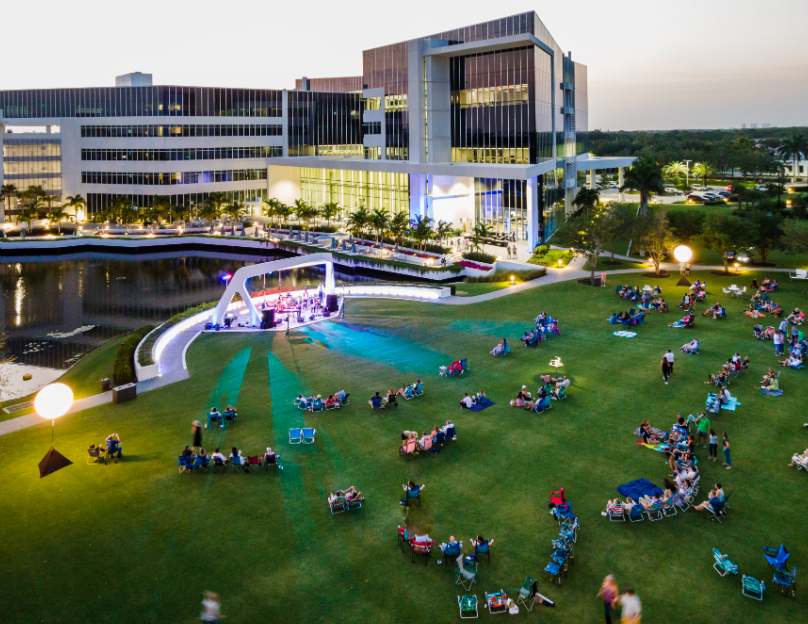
(55,312)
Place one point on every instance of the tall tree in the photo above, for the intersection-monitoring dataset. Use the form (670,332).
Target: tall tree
(704,170)
(795,237)
(399,225)
(766,234)
(794,147)
(301,209)
(422,230)
(7,191)
(674,171)
(618,224)
(358,221)
(214,204)
(58,215)
(723,234)
(379,220)
(645,177)
(585,235)
(443,230)
(585,201)
(329,211)
(653,233)
(76,202)
(161,209)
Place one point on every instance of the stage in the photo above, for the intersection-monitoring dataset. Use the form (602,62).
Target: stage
(297,309)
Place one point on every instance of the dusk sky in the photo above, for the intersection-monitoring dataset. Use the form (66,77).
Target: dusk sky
(652,65)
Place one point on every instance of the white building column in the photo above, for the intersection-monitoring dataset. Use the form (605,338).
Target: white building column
(622,196)
(329,278)
(532,213)
(592,178)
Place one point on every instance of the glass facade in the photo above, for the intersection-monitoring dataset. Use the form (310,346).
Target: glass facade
(551,203)
(581,109)
(386,67)
(502,205)
(500,107)
(209,130)
(325,123)
(188,153)
(33,162)
(97,202)
(163,101)
(351,189)
(345,84)
(170,179)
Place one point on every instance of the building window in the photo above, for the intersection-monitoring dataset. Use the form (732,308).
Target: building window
(352,189)
(146,178)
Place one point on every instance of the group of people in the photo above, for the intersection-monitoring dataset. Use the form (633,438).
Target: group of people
(108,449)
(391,398)
(551,389)
(197,460)
(761,304)
(733,366)
(653,303)
(770,382)
(633,293)
(222,418)
(688,321)
(431,440)
(717,310)
(316,403)
(349,495)
(766,286)
(468,401)
(626,318)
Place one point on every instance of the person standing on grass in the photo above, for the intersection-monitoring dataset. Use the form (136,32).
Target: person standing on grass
(727,463)
(211,611)
(666,369)
(703,428)
(669,357)
(632,609)
(609,593)
(713,444)
(196,431)
(603,279)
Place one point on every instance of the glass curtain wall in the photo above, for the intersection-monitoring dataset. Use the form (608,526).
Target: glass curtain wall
(162,101)
(212,130)
(551,203)
(387,68)
(581,110)
(325,124)
(33,162)
(170,179)
(352,189)
(502,205)
(189,153)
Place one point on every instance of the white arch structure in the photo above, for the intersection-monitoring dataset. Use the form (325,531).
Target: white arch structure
(238,283)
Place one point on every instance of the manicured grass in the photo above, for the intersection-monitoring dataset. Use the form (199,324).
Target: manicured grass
(135,541)
(621,265)
(551,258)
(84,378)
(481,288)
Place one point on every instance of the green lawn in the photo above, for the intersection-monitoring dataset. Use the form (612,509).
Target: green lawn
(84,377)
(137,542)
(479,288)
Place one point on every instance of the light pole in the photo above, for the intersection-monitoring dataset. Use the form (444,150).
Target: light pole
(52,402)
(687,171)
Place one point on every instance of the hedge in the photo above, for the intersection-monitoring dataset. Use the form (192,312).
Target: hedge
(124,371)
(479,256)
(504,276)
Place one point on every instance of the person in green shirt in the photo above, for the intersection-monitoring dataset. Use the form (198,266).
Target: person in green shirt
(703,428)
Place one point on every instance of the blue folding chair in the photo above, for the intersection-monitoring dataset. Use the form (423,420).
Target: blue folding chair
(376,403)
(317,405)
(635,515)
(419,390)
(186,464)
(482,549)
(308,435)
(214,417)
(563,514)
(295,436)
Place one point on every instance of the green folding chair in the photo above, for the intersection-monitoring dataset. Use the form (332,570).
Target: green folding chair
(752,588)
(525,594)
(467,576)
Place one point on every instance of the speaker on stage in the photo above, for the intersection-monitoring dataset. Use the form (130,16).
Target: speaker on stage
(267,319)
(332,303)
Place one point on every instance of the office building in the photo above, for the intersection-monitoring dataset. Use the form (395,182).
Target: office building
(486,123)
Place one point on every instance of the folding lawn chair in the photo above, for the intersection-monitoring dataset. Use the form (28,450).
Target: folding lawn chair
(419,389)
(218,462)
(569,531)
(496,602)
(356,503)
(308,435)
(410,450)
(338,505)
(616,513)
(752,588)
(525,594)
(563,514)
(423,549)
(655,511)
(317,405)
(635,514)
(236,464)
(186,464)
(376,403)
(468,607)
(271,460)
(482,549)
(554,569)
(295,436)
(787,581)
(723,565)
(467,576)
(254,463)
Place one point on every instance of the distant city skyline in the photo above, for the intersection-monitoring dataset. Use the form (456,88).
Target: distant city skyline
(696,66)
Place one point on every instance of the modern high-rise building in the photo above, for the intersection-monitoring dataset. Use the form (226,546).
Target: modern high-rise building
(486,123)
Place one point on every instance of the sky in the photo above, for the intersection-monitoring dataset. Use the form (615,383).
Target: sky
(652,65)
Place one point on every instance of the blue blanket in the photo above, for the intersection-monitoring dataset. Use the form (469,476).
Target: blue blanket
(639,488)
(479,406)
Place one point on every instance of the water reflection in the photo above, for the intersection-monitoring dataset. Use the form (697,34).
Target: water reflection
(56,312)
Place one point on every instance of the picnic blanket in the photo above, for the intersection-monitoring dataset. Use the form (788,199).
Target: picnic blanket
(659,448)
(639,488)
(731,404)
(480,405)
(625,334)
(654,430)
(772,392)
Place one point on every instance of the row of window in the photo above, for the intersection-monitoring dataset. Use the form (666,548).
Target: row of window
(98,202)
(170,179)
(209,153)
(189,130)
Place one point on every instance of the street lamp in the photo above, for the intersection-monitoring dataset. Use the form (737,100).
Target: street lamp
(683,254)
(556,363)
(687,172)
(52,402)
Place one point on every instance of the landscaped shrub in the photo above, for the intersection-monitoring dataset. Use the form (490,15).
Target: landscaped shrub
(473,265)
(479,256)
(124,370)
(505,276)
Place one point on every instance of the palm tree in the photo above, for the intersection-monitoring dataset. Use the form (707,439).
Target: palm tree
(271,207)
(58,215)
(482,230)
(300,209)
(379,221)
(214,203)
(329,211)
(399,225)
(27,215)
(443,229)
(235,210)
(675,170)
(422,230)
(644,177)
(704,170)
(7,191)
(76,202)
(181,212)
(283,211)
(585,201)
(358,221)
(161,209)
(794,148)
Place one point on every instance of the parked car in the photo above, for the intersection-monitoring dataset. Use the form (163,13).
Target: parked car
(698,187)
(693,197)
(712,197)
(597,186)
(761,187)
(724,194)
(612,185)
(673,191)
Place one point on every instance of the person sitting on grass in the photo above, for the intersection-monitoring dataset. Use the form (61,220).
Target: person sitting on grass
(95,451)
(792,361)
(202,459)
(234,454)
(800,459)
(716,309)
(333,497)
(340,395)
(480,544)
(648,436)
(481,397)
(772,374)
(720,379)
(406,391)
(753,312)
(331,402)
(563,382)
(451,549)
(686,302)
(229,413)
(773,285)
(412,491)
(714,501)
(690,347)
(501,349)
(466,402)
(449,430)
(113,443)
(775,309)
(218,456)
(391,398)
(522,398)
(797,317)
(375,398)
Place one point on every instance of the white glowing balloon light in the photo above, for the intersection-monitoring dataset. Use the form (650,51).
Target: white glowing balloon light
(683,253)
(53,401)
